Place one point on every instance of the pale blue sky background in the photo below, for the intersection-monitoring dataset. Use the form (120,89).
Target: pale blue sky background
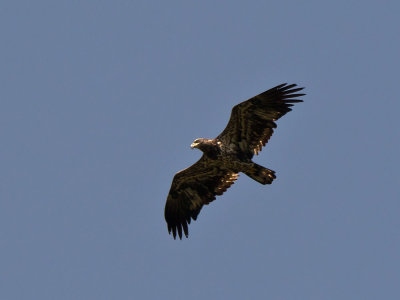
(100,101)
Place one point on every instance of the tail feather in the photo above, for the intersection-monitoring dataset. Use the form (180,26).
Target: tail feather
(260,174)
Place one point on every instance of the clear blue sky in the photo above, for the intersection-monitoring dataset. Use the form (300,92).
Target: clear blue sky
(100,101)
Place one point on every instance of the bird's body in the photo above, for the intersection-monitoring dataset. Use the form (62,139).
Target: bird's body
(250,126)
(229,157)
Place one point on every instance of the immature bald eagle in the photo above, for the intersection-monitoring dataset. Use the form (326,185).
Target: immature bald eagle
(249,128)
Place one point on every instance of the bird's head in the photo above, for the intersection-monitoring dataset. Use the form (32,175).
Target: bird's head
(197,143)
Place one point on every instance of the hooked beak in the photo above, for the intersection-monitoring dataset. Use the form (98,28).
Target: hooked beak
(193,145)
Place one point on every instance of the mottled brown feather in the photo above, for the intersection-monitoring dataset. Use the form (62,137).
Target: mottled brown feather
(191,189)
(252,122)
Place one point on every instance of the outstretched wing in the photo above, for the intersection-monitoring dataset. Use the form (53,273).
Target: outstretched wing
(191,189)
(252,122)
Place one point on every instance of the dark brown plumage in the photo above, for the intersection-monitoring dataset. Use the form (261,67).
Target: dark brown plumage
(250,126)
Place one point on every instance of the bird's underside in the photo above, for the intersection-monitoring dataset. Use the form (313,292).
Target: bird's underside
(250,126)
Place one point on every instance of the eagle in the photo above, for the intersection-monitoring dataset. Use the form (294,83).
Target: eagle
(250,126)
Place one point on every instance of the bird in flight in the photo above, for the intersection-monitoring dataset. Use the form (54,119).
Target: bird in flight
(250,126)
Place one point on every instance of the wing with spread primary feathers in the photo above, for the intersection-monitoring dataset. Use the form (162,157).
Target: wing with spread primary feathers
(191,189)
(252,122)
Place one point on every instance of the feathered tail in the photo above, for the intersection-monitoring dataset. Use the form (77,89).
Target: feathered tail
(260,174)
